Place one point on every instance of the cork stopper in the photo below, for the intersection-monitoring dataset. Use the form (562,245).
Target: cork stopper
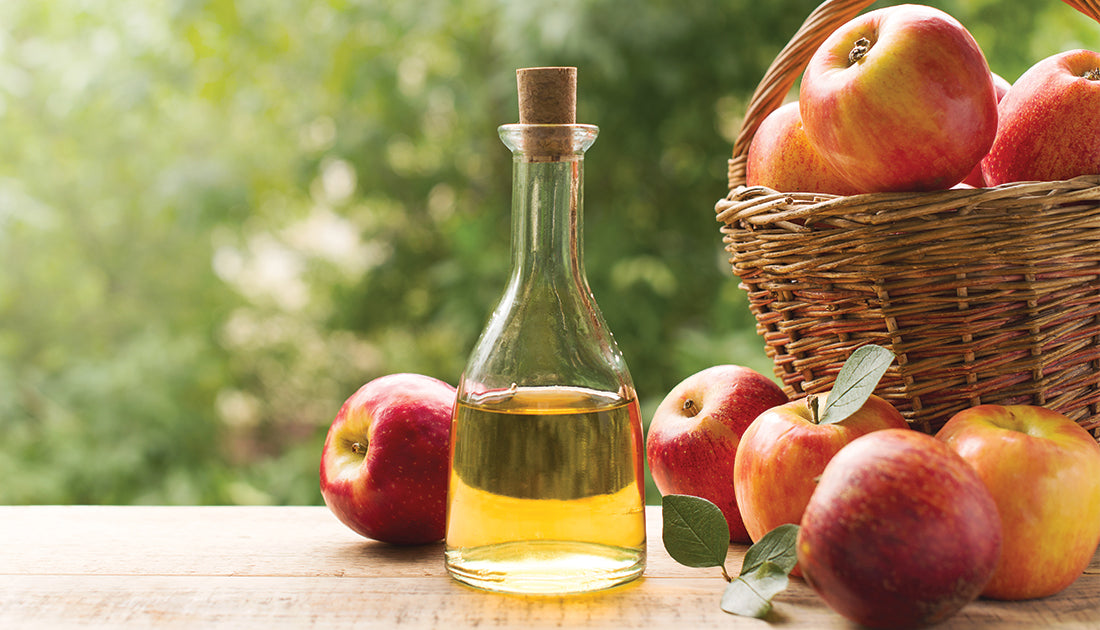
(547,96)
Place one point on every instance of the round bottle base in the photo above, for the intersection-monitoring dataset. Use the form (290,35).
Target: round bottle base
(545,567)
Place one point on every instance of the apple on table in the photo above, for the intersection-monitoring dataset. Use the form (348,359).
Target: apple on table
(900,99)
(1043,470)
(1049,122)
(900,532)
(693,437)
(784,451)
(385,463)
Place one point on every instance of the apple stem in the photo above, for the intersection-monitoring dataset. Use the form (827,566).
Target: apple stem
(1093,75)
(859,50)
(358,448)
(690,408)
(813,401)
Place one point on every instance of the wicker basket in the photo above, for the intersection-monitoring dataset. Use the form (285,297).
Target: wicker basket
(985,295)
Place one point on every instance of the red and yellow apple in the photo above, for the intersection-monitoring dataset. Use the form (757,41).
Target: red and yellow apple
(693,437)
(900,99)
(785,450)
(976,179)
(782,158)
(1043,471)
(900,532)
(1049,122)
(1000,85)
(384,465)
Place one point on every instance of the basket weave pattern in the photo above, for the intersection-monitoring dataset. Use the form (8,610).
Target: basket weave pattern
(985,295)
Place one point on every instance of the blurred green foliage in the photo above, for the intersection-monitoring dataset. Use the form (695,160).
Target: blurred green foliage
(218,218)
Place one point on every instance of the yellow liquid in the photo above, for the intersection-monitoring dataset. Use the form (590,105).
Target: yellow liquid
(546,492)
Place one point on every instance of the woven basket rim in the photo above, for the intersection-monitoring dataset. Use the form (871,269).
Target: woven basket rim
(759,205)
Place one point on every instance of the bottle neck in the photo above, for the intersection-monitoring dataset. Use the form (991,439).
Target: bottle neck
(546,330)
(548,200)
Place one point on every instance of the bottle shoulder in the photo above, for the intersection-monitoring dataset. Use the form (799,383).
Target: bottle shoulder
(543,337)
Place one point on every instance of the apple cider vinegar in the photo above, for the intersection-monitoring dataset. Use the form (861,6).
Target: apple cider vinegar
(546,492)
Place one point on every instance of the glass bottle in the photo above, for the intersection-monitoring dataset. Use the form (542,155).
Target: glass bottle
(546,493)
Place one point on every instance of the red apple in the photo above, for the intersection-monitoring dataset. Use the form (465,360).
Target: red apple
(1000,85)
(900,99)
(784,451)
(1049,122)
(782,158)
(976,179)
(694,433)
(1043,471)
(384,466)
(900,531)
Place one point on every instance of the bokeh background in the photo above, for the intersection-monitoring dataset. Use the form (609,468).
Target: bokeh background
(218,218)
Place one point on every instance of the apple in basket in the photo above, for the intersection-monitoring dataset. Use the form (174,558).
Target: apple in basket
(900,533)
(1043,470)
(384,466)
(693,437)
(782,158)
(900,99)
(1049,122)
(976,179)
(1000,85)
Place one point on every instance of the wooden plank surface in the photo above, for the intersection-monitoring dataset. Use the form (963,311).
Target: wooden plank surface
(297,567)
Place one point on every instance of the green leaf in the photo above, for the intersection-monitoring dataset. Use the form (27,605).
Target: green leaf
(764,573)
(695,532)
(750,595)
(776,547)
(856,382)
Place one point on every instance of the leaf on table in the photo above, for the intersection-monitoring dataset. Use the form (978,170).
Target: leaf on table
(776,547)
(764,573)
(750,595)
(695,532)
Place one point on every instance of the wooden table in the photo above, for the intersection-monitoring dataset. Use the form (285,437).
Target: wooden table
(298,567)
